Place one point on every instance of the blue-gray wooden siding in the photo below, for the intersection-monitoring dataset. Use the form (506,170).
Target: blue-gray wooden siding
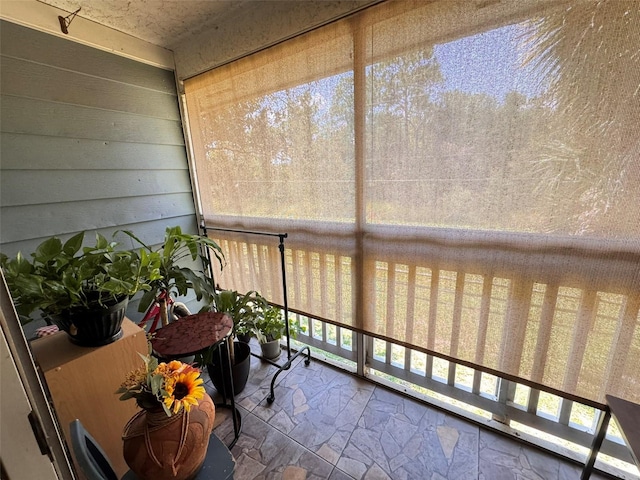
(89,141)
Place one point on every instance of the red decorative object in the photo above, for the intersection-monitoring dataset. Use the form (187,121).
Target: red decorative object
(46,331)
(158,447)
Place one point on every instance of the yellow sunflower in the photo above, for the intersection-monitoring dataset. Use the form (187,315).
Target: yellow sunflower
(183,390)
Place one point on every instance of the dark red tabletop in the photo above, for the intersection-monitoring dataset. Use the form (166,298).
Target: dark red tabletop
(188,335)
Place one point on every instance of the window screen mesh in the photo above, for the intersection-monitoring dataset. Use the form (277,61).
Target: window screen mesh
(460,176)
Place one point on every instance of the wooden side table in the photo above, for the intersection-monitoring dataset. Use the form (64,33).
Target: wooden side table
(193,334)
(627,416)
(82,382)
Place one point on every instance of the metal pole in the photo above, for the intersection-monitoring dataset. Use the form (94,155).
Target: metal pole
(284,292)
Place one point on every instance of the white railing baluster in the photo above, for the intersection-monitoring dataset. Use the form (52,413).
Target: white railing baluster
(410,313)
(433,318)
(516,317)
(324,301)
(456,325)
(582,327)
(565,411)
(544,332)
(532,402)
(297,290)
(390,301)
(622,339)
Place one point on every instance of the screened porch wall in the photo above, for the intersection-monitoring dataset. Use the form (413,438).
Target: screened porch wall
(489,215)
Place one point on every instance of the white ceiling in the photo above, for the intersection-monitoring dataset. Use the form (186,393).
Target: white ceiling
(188,36)
(167,23)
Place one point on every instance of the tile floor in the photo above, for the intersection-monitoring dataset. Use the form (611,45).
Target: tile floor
(327,424)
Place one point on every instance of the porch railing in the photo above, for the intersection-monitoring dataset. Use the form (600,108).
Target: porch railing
(544,418)
(466,313)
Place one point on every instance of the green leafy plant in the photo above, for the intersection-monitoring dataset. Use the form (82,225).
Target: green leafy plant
(269,325)
(244,328)
(173,277)
(243,309)
(295,328)
(64,276)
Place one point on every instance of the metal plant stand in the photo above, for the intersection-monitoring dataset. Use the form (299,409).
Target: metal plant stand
(195,334)
(290,357)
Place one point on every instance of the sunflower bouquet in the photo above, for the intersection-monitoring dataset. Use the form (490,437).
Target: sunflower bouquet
(172,386)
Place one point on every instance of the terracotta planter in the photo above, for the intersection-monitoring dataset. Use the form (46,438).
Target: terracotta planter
(93,327)
(176,446)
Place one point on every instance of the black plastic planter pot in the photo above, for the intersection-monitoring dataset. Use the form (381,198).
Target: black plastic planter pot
(239,370)
(93,327)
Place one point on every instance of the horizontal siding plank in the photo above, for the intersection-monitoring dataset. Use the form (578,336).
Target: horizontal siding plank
(34,80)
(31,221)
(29,187)
(151,232)
(35,152)
(20,115)
(22,42)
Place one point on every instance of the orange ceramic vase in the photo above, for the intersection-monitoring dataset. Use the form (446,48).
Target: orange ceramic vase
(157,447)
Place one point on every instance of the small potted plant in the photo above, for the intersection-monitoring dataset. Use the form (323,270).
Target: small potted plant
(83,290)
(269,329)
(243,309)
(244,330)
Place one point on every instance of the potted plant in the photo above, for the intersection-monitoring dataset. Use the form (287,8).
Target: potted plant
(269,329)
(243,309)
(244,330)
(172,276)
(83,290)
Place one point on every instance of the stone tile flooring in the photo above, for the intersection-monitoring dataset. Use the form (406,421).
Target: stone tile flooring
(327,424)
